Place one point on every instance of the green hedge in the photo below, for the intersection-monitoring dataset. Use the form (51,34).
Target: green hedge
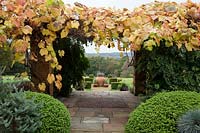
(55,116)
(115,85)
(112,80)
(88,79)
(88,84)
(160,113)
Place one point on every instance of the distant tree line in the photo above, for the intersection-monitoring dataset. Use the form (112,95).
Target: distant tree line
(109,66)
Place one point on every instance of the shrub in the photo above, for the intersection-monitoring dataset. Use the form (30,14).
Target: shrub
(55,116)
(160,113)
(190,122)
(18,114)
(89,79)
(123,87)
(115,85)
(88,84)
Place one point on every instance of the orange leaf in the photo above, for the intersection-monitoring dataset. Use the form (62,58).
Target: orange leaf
(27,30)
(42,87)
(30,13)
(59,77)
(58,84)
(43,51)
(50,78)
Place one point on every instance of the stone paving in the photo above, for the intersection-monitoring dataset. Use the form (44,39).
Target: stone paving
(100,111)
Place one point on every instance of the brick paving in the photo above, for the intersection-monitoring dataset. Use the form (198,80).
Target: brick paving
(100,111)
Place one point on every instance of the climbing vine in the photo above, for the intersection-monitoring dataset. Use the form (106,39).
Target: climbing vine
(27,23)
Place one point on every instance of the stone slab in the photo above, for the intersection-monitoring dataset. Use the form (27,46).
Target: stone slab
(95,120)
(87,127)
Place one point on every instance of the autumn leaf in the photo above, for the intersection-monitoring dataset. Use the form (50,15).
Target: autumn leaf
(24,74)
(30,13)
(19,57)
(50,78)
(20,45)
(42,87)
(75,24)
(43,51)
(58,84)
(149,44)
(64,32)
(20,2)
(41,44)
(48,58)
(50,48)
(8,24)
(59,77)
(27,30)
(59,67)
(61,53)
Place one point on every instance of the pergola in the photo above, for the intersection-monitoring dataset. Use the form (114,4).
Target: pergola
(35,24)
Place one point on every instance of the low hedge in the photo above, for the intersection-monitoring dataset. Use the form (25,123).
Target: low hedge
(111,80)
(160,113)
(116,85)
(88,79)
(55,116)
(88,84)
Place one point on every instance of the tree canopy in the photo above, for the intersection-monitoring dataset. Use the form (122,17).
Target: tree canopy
(40,22)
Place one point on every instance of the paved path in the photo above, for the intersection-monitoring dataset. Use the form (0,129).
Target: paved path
(100,112)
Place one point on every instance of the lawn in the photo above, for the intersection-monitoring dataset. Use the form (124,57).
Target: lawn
(128,81)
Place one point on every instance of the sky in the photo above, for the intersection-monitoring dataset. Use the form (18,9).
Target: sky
(130,4)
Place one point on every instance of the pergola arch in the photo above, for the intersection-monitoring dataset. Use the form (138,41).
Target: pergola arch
(35,24)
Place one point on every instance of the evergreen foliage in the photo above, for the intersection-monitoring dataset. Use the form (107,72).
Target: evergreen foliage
(170,68)
(74,63)
(160,113)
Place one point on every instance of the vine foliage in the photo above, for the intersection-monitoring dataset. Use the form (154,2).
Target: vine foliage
(170,68)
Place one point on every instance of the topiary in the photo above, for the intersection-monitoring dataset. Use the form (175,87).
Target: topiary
(55,116)
(189,122)
(160,113)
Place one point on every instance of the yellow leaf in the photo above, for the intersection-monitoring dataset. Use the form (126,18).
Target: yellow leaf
(149,45)
(8,24)
(55,26)
(42,87)
(50,48)
(47,32)
(43,51)
(61,53)
(24,74)
(20,45)
(188,46)
(50,78)
(41,44)
(75,24)
(59,67)
(64,32)
(48,58)
(27,30)
(19,57)
(58,84)
(59,77)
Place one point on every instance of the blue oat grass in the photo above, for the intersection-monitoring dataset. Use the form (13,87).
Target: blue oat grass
(189,122)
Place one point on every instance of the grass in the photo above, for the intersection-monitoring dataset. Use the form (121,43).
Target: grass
(128,82)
